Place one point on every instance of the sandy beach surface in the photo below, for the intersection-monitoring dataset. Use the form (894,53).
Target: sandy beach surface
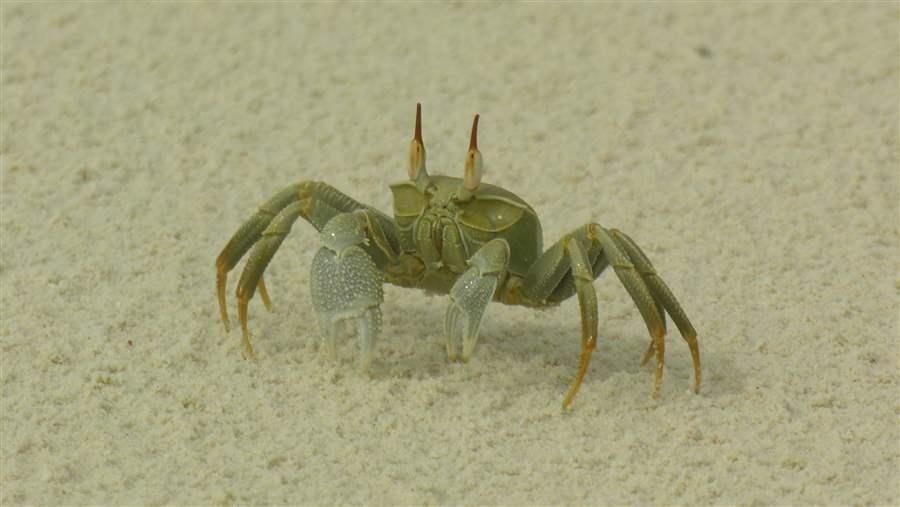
(750,149)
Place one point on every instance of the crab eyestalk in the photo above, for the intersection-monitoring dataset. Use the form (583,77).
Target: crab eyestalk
(417,170)
(474,170)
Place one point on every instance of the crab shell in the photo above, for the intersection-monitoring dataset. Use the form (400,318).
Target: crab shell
(442,219)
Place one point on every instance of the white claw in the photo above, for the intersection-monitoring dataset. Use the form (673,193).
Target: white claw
(471,294)
(458,327)
(366,330)
(452,329)
(327,335)
(469,341)
(364,322)
(346,289)
(468,298)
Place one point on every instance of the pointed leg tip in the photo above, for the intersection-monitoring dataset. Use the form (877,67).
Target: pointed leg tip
(657,385)
(223,313)
(264,294)
(656,389)
(248,347)
(223,316)
(567,401)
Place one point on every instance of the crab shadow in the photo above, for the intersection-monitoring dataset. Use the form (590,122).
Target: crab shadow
(520,346)
(531,347)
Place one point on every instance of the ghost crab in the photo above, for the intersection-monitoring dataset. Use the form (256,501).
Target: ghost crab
(458,236)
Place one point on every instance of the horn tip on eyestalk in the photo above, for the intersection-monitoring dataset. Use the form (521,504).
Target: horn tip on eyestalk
(418,132)
(473,142)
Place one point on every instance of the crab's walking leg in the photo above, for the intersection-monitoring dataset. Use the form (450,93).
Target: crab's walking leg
(245,237)
(587,302)
(567,268)
(262,253)
(664,297)
(346,283)
(640,293)
(470,295)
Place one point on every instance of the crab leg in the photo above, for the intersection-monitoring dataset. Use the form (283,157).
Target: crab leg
(587,302)
(640,294)
(262,253)
(567,268)
(582,255)
(664,297)
(242,240)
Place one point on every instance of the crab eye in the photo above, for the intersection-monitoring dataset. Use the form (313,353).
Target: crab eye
(474,166)
(417,149)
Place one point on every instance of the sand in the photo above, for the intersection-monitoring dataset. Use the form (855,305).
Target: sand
(752,150)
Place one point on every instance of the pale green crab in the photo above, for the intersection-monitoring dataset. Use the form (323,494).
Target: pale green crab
(457,236)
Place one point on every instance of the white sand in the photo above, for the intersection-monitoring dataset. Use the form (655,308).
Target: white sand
(751,150)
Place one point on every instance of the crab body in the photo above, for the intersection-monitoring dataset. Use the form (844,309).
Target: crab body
(441,227)
(473,241)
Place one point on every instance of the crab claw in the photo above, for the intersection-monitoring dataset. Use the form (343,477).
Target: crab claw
(346,288)
(471,294)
